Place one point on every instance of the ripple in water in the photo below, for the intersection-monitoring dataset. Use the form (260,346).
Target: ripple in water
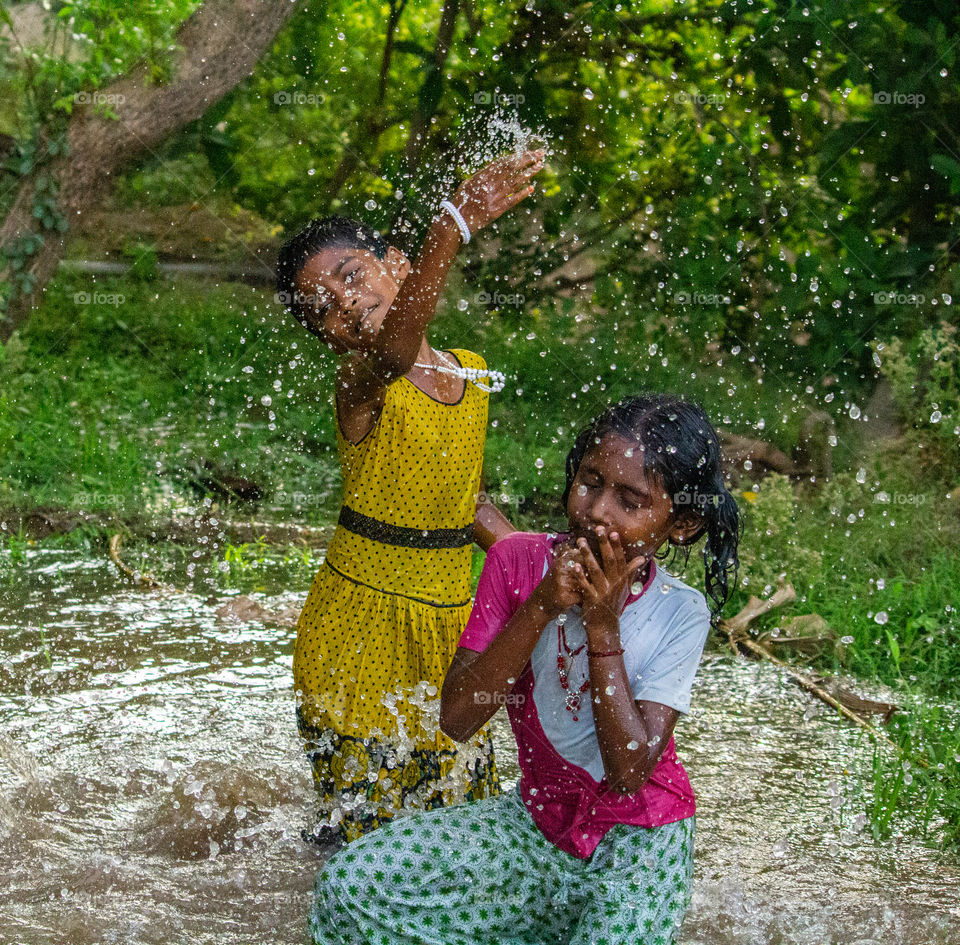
(152,788)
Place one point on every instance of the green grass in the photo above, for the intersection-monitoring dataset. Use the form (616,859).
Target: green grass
(115,405)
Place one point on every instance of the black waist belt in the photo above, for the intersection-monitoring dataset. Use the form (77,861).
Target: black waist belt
(387,534)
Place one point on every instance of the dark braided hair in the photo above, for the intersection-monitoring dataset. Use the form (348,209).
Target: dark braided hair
(317,235)
(681,449)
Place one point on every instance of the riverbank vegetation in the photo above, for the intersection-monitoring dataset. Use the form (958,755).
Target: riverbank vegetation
(144,398)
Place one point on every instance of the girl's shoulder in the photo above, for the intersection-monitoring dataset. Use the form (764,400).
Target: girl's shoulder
(675,600)
(522,557)
(468,358)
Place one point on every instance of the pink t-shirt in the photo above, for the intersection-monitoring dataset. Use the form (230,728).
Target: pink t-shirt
(662,629)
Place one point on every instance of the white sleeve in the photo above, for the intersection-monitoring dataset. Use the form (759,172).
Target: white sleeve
(668,675)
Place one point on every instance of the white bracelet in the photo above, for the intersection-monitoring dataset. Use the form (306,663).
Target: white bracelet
(458,219)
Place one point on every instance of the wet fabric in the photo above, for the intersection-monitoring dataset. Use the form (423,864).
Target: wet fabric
(384,613)
(483,874)
(663,628)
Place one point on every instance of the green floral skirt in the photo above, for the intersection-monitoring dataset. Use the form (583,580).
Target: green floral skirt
(484,874)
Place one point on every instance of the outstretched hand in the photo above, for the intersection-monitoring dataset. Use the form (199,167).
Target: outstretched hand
(605,584)
(498,187)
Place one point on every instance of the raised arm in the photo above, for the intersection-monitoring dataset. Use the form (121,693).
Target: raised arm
(483,198)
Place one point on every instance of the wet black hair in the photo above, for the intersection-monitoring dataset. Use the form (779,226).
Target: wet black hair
(680,448)
(319,234)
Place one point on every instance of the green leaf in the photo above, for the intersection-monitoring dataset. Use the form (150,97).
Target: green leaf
(894,649)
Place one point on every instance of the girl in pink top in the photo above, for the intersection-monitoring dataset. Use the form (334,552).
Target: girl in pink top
(593,649)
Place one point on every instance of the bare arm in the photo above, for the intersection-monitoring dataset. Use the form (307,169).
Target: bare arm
(489,524)
(481,200)
(632,734)
(476,683)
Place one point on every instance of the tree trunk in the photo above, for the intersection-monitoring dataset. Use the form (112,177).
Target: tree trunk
(217,48)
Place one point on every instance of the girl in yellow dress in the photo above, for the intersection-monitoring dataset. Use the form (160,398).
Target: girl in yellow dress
(384,613)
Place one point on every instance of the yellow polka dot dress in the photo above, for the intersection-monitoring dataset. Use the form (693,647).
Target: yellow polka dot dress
(385,612)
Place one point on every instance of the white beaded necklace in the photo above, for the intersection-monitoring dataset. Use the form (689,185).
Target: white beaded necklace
(498,380)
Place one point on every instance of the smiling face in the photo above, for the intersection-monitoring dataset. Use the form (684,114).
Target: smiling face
(611,488)
(345,293)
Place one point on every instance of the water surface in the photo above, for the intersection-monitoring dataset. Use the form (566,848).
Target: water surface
(152,788)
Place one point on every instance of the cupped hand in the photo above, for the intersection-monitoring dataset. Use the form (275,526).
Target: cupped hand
(605,584)
(560,588)
(502,184)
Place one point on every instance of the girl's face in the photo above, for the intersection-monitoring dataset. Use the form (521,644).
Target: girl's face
(612,489)
(345,294)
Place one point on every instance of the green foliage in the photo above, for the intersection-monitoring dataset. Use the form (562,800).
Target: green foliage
(736,167)
(240,560)
(921,784)
(144,262)
(771,551)
(925,378)
(85,45)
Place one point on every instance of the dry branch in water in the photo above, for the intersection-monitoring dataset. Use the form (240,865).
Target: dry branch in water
(846,703)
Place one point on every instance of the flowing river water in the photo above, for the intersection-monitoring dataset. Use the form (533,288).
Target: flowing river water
(152,788)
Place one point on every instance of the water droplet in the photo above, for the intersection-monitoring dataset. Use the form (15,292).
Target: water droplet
(538,462)
(371,204)
(610,690)
(861,475)
(854,412)
(636,587)
(847,640)
(588,94)
(936,416)
(633,744)
(266,400)
(881,617)
(462,305)
(881,583)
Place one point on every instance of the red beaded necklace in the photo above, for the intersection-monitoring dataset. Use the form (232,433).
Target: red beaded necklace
(574,699)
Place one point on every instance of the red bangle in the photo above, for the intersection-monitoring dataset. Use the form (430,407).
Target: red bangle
(605,652)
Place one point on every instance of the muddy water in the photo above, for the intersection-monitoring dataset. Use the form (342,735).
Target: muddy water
(152,790)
